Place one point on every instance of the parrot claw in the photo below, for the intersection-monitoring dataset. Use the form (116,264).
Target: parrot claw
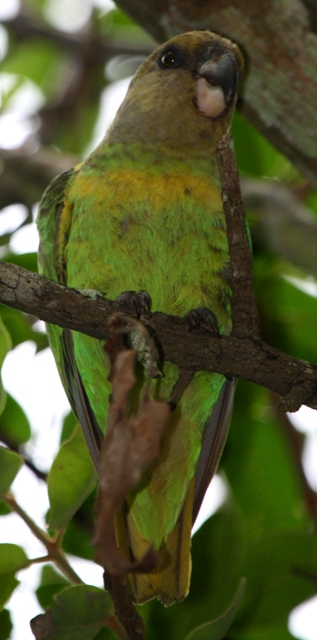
(203,318)
(92,293)
(139,301)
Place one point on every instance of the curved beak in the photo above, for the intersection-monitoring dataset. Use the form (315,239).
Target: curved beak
(223,73)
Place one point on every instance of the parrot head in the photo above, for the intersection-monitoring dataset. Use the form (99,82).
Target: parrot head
(184,92)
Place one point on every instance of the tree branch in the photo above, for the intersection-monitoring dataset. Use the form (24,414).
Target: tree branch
(245,318)
(26,27)
(55,553)
(253,360)
(124,608)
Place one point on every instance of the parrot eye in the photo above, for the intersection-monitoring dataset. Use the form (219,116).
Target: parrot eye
(170,59)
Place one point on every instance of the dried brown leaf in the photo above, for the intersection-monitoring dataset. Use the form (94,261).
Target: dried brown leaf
(131,444)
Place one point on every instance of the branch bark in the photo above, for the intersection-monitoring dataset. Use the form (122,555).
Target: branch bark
(247,358)
(124,608)
(245,318)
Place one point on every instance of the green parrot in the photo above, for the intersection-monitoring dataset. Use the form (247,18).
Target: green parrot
(144,213)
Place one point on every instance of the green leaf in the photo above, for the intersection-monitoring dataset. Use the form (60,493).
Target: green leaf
(5,342)
(217,550)
(77,614)
(5,625)
(4,509)
(14,426)
(25,260)
(69,424)
(51,584)
(18,325)
(277,632)
(255,155)
(17,83)
(10,463)
(71,479)
(5,346)
(81,529)
(217,629)
(8,583)
(281,573)
(12,558)
(118,17)
(268,491)
(36,7)
(36,59)
(288,314)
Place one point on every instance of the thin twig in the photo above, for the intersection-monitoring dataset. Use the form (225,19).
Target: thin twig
(245,317)
(40,559)
(55,554)
(42,475)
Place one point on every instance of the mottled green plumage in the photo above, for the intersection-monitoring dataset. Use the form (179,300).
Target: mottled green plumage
(144,211)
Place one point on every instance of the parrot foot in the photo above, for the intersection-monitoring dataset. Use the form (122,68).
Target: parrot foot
(91,293)
(138,301)
(203,318)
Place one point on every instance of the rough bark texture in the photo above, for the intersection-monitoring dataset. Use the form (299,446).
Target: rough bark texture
(279,42)
(251,359)
(245,318)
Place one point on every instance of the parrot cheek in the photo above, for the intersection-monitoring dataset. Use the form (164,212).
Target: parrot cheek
(210,100)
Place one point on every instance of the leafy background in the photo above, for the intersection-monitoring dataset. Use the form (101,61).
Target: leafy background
(62,61)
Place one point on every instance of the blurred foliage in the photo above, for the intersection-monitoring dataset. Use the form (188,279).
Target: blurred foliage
(265,531)
(70,480)
(5,624)
(86,609)
(51,584)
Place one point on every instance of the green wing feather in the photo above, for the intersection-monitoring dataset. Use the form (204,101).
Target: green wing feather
(54,223)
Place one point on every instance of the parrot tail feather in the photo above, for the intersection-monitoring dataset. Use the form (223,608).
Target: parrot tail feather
(169,582)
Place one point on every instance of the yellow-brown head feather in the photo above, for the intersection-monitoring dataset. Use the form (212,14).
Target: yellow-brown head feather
(183,93)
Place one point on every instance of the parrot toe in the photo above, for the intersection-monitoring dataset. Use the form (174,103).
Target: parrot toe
(203,318)
(138,301)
